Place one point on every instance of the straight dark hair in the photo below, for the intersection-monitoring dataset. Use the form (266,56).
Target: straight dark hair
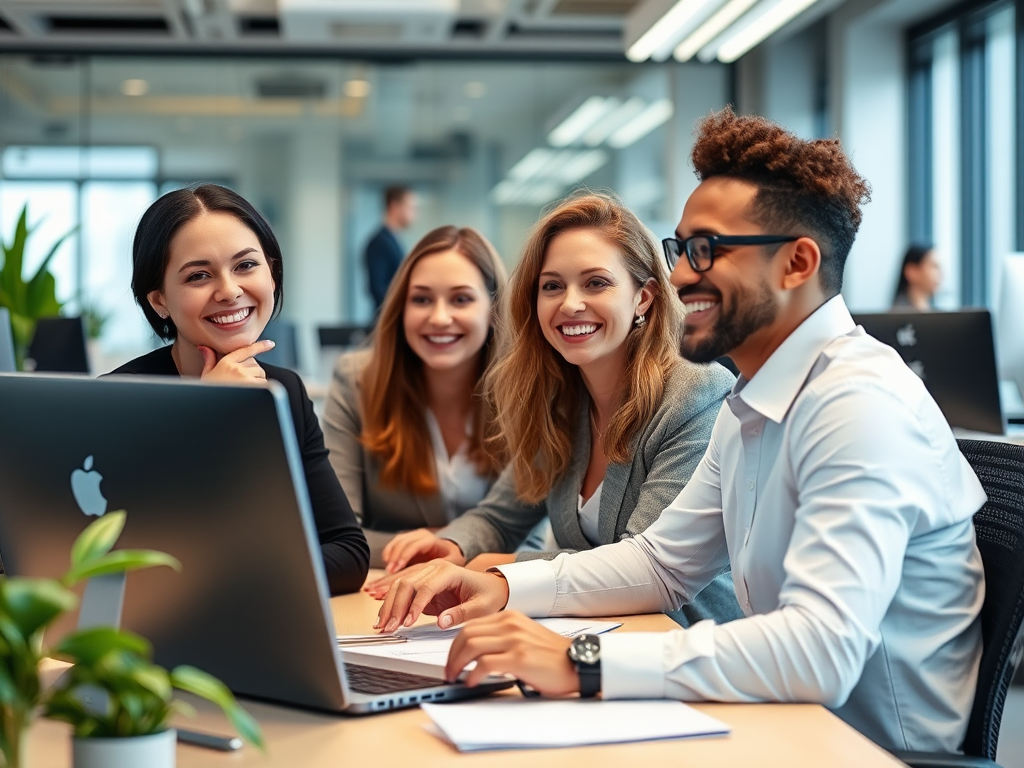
(161,222)
(915,255)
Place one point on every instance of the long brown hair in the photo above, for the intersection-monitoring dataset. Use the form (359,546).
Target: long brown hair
(394,401)
(535,391)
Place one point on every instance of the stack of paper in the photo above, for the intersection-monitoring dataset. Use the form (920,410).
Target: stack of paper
(531,723)
(427,645)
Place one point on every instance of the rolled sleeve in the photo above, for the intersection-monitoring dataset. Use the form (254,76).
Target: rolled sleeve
(531,587)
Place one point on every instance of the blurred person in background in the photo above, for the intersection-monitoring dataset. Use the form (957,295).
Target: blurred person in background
(920,278)
(383,253)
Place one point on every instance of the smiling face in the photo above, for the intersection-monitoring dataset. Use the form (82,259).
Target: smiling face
(732,301)
(447,311)
(586,299)
(217,288)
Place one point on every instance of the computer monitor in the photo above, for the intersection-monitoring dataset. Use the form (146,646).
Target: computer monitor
(7,362)
(58,346)
(954,354)
(1010,320)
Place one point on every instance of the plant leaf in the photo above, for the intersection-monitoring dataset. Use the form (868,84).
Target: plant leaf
(98,538)
(31,604)
(50,254)
(119,561)
(90,645)
(206,686)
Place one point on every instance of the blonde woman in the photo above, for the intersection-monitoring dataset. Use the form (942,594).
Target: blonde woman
(404,420)
(600,418)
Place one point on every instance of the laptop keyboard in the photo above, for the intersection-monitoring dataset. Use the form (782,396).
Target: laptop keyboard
(372,680)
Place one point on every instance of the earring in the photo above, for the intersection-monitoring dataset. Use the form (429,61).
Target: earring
(640,321)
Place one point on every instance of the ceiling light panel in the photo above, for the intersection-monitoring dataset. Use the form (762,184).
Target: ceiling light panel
(712,27)
(572,128)
(653,116)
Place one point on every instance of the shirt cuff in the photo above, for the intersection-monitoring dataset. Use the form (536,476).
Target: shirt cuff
(632,665)
(531,586)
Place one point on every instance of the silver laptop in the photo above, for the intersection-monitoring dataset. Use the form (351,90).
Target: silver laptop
(6,342)
(212,475)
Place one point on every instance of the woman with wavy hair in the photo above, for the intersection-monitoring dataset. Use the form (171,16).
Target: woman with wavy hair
(601,421)
(404,420)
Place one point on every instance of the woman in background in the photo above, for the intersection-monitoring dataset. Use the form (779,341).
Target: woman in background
(602,420)
(207,272)
(405,421)
(920,278)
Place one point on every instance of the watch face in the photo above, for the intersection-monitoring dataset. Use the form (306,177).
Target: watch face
(585,649)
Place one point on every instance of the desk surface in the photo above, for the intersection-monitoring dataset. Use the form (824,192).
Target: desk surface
(769,735)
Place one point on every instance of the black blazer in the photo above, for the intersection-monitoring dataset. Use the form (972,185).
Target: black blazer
(346,554)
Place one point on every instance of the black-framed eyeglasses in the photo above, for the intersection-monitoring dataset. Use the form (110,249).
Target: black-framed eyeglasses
(700,249)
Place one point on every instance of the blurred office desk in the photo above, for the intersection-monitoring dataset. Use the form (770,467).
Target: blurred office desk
(769,735)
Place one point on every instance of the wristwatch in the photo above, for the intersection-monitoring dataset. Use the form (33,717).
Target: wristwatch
(585,653)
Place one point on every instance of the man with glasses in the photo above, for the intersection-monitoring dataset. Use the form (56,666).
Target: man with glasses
(831,482)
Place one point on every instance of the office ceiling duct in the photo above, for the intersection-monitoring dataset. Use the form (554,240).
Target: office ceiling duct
(367,21)
(290,86)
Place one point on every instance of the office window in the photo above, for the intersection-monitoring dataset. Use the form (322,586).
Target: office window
(963,163)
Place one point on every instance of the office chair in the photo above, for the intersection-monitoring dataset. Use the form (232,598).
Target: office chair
(335,339)
(999,526)
(58,346)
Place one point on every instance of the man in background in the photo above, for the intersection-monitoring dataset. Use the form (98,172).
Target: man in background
(383,252)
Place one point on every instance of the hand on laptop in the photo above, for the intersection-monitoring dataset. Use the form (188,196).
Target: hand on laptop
(419,546)
(511,644)
(236,366)
(445,590)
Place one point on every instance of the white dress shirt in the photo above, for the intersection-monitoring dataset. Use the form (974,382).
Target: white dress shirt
(835,487)
(459,481)
(589,514)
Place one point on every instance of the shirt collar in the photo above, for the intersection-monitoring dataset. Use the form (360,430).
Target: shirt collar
(775,386)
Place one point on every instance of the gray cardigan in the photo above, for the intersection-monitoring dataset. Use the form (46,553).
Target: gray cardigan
(382,512)
(633,495)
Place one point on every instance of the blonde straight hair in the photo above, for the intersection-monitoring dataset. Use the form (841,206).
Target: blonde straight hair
(394,401)
(536,393)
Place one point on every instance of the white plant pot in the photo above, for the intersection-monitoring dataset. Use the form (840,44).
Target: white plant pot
(154,751)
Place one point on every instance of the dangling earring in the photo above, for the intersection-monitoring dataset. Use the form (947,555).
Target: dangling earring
(640,321)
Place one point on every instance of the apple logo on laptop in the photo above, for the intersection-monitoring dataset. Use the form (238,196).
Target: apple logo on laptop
(85,484)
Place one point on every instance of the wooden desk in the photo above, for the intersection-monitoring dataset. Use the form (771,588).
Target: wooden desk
(769,735)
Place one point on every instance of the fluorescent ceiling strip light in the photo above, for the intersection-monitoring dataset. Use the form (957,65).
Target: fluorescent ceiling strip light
(661,32)
(582,165)
(539,194)
(534,161)
(761,28)
(712,28)
(505,192)
(656,114)
(584,116)
(613,121)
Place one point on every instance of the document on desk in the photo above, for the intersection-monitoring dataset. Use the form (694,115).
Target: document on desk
(537,724)
(430,645)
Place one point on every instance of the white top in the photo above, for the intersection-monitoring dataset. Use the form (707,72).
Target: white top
(834,485)
(460,485)
(589,512)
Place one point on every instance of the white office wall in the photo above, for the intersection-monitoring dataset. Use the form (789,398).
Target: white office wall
(697,90)
(868,108)
(313,293)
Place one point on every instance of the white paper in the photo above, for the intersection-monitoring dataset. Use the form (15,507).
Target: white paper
(531,723)
(430,645)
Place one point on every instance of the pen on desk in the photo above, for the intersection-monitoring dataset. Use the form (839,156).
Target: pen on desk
(209,740)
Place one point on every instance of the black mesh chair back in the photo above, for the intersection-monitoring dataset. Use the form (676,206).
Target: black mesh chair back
(1000,532)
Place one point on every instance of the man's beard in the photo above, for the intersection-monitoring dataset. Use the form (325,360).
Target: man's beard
(750,312)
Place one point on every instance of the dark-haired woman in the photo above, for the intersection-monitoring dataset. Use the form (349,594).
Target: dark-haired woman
(920,278)
(208,275)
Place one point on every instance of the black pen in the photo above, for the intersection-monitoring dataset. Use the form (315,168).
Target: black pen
(209,740)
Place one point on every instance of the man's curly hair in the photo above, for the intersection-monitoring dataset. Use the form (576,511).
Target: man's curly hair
(806,188)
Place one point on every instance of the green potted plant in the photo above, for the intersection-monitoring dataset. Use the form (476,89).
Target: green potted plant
(117,700)
(27,300)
